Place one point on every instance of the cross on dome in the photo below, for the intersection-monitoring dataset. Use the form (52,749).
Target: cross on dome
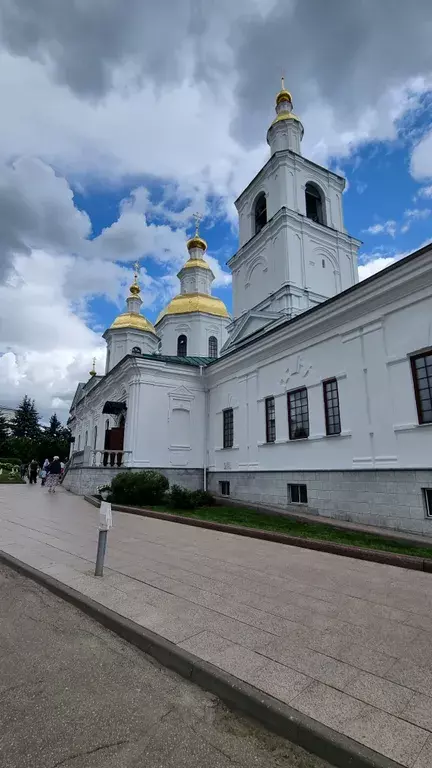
(196,241)
(198,219)
(134,288)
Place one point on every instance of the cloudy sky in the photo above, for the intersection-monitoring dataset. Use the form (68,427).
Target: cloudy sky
(119,120)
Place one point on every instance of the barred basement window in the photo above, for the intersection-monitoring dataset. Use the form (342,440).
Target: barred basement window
(427,494)
(297,494)
(298,414)
(224,487)
(228,428)
(331,407)
(421,366)
(270,419)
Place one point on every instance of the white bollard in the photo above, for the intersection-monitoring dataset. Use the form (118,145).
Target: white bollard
(105,523)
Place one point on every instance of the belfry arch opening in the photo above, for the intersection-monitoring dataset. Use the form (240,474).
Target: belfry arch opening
(260,213)
(314,204)
(182,346)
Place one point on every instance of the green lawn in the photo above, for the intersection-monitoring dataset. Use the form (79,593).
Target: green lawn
(250,519)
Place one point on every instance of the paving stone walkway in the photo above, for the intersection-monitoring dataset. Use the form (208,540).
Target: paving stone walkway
(344,641)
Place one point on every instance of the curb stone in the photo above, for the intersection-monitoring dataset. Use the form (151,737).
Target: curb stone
(411,562)
(339,750)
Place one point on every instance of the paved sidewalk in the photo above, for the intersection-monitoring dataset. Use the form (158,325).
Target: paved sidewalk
(344,641)
(85,698)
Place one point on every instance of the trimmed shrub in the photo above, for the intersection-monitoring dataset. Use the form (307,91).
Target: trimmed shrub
(139,488)
(181,498)
(204,499)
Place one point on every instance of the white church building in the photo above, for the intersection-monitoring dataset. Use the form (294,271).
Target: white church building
(316,393)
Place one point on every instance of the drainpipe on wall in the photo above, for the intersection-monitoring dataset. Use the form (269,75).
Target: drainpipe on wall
(205,432)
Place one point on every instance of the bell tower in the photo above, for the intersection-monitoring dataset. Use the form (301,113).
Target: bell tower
(294,249)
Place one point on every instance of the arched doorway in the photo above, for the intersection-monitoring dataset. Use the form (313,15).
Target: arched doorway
(114,436)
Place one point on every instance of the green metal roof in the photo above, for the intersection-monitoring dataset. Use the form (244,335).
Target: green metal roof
(195,361)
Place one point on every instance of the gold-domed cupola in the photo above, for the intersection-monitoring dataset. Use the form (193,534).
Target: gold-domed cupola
(194,306)
(132,317)
(286,130)
(131,332)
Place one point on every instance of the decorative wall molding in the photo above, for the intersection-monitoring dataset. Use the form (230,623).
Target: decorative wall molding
(298,369)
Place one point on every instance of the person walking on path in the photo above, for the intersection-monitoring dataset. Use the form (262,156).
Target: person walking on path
(23,471)
(53,478)
(44,471)
(33,471)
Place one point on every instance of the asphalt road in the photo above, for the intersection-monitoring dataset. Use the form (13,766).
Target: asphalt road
(73,694)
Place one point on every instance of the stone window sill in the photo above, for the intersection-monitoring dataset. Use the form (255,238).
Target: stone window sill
(410,427)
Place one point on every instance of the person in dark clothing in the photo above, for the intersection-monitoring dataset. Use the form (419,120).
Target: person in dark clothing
(23,471)
(33,471)
(54,471)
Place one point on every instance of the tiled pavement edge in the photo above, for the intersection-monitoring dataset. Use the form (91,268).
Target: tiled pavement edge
(282,719)
(374,555)
(300,639)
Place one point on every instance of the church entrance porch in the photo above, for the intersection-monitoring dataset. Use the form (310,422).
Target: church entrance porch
(113,454)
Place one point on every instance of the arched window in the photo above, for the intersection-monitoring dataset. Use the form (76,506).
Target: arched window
(107,425)
(86,438)
(260,212)
(314,204)
(182,346)
(79,443)
(213,346)
(136,350)
(94,438)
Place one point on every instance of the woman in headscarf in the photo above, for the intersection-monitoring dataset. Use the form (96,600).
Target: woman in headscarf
(53,478)
(44,471)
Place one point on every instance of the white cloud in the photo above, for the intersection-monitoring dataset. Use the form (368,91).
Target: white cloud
(45,348)
(414,214)
(375,265)
(425,192)
(421,159)
(387,228)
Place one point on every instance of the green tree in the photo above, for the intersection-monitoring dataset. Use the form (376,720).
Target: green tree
(26,420)
(55,428)
(4,432)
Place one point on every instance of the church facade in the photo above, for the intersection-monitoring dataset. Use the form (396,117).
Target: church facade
(315,395)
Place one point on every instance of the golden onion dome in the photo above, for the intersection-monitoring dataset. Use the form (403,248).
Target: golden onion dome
(133,320)
(196,263)
(196,242)
(186,303)
(134,289)
(283,95)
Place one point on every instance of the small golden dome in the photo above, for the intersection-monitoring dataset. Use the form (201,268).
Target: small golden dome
(196,263)
(134,289)
(186,303)
(283,95)
(196,242)
(133,320)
